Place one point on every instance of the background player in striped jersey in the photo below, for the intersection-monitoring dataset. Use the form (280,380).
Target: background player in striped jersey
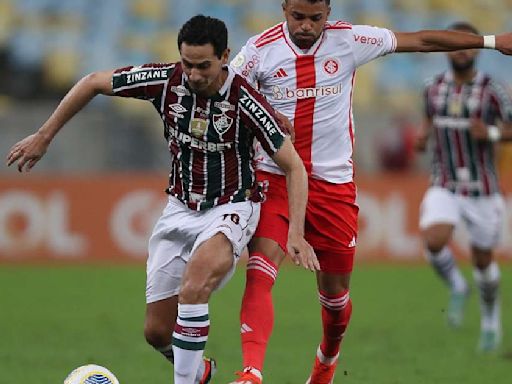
(211,116)
(463,108)
(306,69)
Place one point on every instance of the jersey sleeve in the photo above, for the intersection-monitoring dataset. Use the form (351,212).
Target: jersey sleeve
(142,82)
(246,63)
(501,102)
(368,43)
(428,110)
(259,116)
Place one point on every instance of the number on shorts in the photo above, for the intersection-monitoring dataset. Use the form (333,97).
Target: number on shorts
(233,216)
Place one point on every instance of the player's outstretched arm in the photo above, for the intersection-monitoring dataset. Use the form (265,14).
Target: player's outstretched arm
(31,149)
(444,41)
(297,185)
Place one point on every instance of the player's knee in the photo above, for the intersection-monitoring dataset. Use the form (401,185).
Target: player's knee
(195,292)
(157,336)
(435,245)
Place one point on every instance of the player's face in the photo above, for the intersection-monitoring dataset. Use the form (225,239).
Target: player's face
(462,61)
(305,21)
(203,68)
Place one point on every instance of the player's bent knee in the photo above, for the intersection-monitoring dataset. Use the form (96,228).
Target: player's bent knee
(268,247)
(436,238)
(196,292)
(157,336)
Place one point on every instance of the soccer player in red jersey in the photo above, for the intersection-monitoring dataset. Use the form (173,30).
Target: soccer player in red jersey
(306,67)
(211,117)
(466,113)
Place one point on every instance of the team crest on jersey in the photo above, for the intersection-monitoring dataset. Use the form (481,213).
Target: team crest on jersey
(221,123)
(331,66)
(198,127)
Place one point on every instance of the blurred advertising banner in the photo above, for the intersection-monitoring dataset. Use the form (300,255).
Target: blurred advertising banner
(110,218)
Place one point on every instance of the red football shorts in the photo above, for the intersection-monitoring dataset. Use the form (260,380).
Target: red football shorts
(331,220)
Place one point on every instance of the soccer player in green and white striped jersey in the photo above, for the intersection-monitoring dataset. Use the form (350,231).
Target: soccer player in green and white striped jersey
(211,118)
(466,113)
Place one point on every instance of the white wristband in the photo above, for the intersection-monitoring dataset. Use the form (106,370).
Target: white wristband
(490,41)
(493,133)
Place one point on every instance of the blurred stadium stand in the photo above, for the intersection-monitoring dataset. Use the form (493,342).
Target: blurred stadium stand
(46,45)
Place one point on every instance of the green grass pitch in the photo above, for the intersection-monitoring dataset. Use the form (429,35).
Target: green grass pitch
(53,319)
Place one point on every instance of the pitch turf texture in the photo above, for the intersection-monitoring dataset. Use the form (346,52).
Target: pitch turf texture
(55,319)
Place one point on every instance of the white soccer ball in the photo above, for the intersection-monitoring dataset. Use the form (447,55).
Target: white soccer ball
(91,374)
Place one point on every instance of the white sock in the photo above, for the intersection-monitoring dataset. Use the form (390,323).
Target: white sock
(189,339)
(444,264)
(169,355)
(488,282)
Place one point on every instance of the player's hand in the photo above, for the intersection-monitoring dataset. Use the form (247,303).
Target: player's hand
(504,43)
(302,253)
(286,124)
(28,151)
(478,129)
(420,144)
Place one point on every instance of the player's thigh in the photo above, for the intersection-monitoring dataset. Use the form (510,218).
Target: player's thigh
(237,223)
(331,225)
(210,263)
(271,233)
(484,219)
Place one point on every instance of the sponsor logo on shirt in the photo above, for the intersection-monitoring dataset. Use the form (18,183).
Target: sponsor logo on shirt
(193,142)
(224,106)
(180,90)
(369,40)
(257,112)
(279,93)
(251,64)
(141,76)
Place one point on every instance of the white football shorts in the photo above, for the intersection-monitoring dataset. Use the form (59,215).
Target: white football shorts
(180,231)
(483,215)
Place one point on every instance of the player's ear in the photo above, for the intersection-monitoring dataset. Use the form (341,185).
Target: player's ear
(225,56)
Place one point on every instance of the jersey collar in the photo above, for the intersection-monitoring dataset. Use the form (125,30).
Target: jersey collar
(297,50)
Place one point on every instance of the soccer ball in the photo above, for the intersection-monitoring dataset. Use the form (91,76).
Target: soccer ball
(91,374)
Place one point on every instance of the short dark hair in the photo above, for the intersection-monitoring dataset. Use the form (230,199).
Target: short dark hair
(463,26)
(328,2)
(202,30)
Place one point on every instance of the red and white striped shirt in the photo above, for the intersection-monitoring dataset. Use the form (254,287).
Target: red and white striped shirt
(314,89)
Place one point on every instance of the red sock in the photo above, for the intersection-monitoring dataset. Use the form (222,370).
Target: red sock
(257,314)
(336,311)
